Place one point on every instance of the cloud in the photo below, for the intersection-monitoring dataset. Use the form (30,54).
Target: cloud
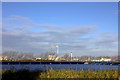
(18,35)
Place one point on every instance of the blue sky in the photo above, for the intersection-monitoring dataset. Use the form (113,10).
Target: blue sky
(85,20)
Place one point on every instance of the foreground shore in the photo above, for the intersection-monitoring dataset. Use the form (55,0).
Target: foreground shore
(59,74)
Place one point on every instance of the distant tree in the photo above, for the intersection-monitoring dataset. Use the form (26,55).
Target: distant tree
(11,55)
(20,56)
(46,56)
(28,56)
(66,57)
(41,55)
(83,58)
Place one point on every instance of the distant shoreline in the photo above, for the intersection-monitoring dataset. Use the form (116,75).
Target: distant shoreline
(53,62)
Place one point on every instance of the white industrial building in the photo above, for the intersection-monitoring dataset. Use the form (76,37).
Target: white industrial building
(51,57)
(38,58)
(103,59)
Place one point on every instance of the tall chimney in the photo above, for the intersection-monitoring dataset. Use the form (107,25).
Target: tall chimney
(71,56)
(57,49)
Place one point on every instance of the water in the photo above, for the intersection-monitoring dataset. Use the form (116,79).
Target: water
(44,67)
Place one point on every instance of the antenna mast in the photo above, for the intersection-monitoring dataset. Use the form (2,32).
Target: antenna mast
(71,56)
(57,49)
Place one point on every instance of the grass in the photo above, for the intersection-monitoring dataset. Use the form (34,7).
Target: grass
(79,74)
(59,74)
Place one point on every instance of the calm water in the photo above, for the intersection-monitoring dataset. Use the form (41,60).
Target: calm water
(44,67)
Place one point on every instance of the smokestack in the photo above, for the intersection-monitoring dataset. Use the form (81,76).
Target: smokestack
(57,49)
(71,56)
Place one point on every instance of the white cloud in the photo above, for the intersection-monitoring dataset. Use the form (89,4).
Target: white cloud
(18,35)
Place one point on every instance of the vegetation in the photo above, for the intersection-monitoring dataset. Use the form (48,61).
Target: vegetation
(79,74)
(20,75)
(59,74)
(51,61)
(28,56)
(28,61)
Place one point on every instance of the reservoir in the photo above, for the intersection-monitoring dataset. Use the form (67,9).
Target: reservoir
(70,66)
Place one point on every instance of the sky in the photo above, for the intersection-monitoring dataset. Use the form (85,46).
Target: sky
(83,28)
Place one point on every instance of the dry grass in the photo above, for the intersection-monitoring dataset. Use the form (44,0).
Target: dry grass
(59,74)
(79,74)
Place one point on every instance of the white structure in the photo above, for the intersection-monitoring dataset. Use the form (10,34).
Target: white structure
(75,59)
(103,59)
(56,59)
(4,57)
(95,60)
(51,57)
(57,52)
(62,59)
(38,58)
(57,49)
(71,56)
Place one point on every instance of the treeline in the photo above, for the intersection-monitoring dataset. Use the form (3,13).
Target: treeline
(15,55)
(23,56)
(28,56)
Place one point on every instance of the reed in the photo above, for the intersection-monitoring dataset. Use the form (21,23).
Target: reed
(58,74)
(80,74)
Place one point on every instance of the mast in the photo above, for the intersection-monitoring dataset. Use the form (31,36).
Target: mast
(71,56)
(57,49)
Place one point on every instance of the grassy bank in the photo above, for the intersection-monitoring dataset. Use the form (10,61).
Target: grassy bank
(20,75)
(38,75)
(79,74)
